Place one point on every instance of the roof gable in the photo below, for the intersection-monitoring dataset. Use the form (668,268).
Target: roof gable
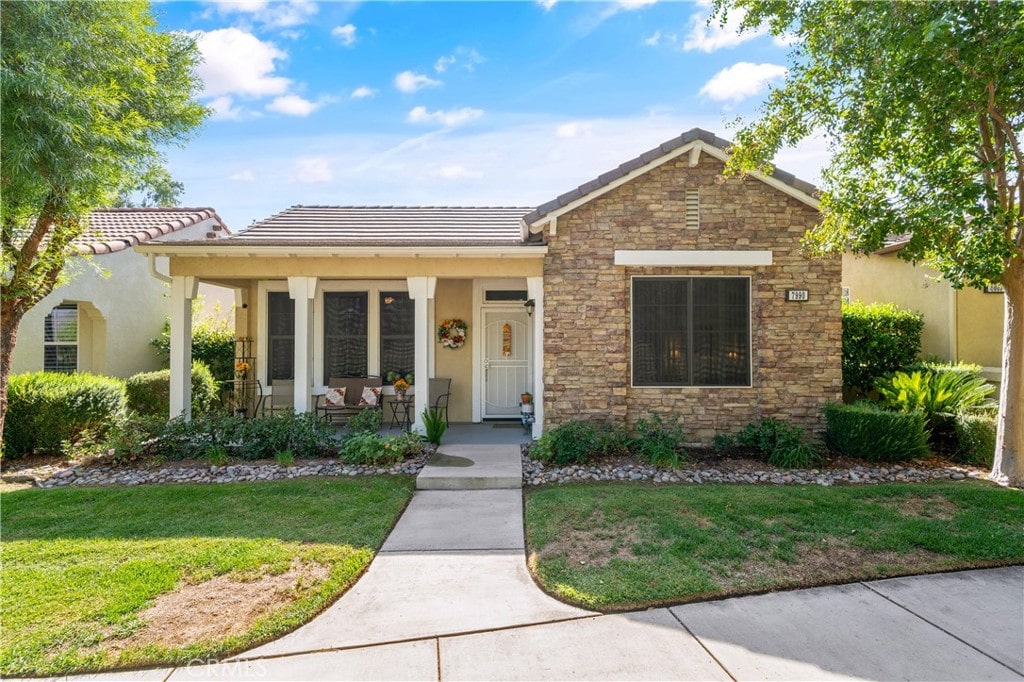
(694,142)
(115,229)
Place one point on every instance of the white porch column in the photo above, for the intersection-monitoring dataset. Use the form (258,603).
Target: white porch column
(302,290)
(421,290)
(535,291)
(183,290)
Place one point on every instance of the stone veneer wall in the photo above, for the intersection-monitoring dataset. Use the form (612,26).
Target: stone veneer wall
(795,364)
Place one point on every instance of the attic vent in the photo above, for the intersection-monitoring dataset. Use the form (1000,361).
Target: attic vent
(692,209)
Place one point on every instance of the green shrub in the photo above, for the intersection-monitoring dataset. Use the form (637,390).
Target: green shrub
(869,431)
(613,440)
(975,438)
(180,439)
(779,441)
(939,396)
(304,435)
(371,449)
(574,442)
(878,338)
(659,444)
(46,409)
(149,393)
(217,455)
(434,425)
(213,344)
(366,421)
(285,458)
(133,437)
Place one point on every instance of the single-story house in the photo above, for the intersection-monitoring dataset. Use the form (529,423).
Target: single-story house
(960,325)
(658,287)
(102,319)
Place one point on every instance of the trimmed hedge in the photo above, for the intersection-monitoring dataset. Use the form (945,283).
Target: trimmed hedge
(46,408)
(213,344)
(868,431)
(878,338)
(976,439)
(149,393)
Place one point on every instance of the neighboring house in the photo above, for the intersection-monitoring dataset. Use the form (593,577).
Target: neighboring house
(959,325)
(659,288)
(103,318)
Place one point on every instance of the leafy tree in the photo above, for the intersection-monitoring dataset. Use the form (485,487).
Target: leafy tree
(89,91)
(154,188)
(923,106)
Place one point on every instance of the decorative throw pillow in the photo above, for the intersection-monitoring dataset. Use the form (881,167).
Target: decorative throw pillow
(335,396)
(370,396)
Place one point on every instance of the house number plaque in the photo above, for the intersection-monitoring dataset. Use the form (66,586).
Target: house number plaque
(796,295)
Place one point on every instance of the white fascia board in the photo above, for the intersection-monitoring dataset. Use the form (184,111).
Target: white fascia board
(695,147)
(692,258)
(258,251)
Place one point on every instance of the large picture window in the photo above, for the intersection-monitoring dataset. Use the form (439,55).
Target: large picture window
(691,331)
(60,340)
(280,337)
(397,333)
(346,322)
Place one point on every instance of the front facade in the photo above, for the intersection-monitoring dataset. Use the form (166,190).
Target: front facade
(657,288)
(964,325)
(102,320)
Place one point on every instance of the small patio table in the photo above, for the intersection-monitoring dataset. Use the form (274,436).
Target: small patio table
(402,410)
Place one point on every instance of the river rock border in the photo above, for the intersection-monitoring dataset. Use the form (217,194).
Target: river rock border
(538,473)
(109,474)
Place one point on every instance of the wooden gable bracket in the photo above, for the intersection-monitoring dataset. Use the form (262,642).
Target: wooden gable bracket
(695,154)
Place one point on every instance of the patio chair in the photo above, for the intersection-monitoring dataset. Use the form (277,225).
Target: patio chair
(341,413)
(282,397)
(440,391)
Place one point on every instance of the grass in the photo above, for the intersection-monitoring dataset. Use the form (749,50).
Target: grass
(80,565)
(622,546)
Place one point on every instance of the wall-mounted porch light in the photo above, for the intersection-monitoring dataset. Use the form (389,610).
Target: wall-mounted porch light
(530,305)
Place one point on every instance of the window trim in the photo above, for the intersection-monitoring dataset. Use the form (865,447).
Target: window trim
(373,288)
(78,336)
(750,334)
(263,328)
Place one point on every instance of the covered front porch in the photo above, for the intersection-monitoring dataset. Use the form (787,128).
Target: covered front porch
(313,316)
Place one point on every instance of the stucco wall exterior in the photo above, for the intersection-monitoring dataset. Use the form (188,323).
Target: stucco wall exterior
(795,363)
(121,308)
(965,325)
(455,300)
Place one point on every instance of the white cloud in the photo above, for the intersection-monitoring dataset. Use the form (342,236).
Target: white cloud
(224,109)
(458,172)
(242,176)
(448,118)
(742,80)
(270,14)
(346,34)
(293,105)
(363,91)
(630,5)
(407,81)
(652,40)
(237,62)
(312,170)
(547,4)
(787,40)
(442,63)
(715,37)
(572,129)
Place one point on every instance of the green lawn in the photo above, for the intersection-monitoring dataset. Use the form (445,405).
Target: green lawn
(81,565)
(625,546)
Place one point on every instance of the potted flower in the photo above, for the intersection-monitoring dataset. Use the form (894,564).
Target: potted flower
(242,369)
(526,403)
(401,386)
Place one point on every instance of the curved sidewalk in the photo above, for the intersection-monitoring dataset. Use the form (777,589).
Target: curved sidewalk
(449,598)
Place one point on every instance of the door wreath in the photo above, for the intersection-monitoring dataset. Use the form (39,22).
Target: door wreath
(452,333)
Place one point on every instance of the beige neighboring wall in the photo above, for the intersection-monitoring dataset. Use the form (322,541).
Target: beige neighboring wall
(964,325)
(454,299)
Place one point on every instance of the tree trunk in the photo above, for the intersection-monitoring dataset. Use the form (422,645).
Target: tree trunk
(10,320)
(1008,467)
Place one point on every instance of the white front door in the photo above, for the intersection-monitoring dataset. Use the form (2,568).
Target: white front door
(506,362)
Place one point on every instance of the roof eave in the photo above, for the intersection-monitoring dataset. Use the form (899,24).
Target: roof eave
(327,250)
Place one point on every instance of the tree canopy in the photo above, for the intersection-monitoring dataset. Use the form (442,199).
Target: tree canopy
(922,104)
(89,94)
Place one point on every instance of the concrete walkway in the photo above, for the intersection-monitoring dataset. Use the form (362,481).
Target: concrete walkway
(449,598)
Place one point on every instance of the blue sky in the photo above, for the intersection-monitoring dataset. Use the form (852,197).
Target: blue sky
(451,103)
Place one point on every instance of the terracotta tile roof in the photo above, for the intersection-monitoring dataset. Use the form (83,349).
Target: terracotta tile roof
(647,157)
(387,226)
(116,229)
